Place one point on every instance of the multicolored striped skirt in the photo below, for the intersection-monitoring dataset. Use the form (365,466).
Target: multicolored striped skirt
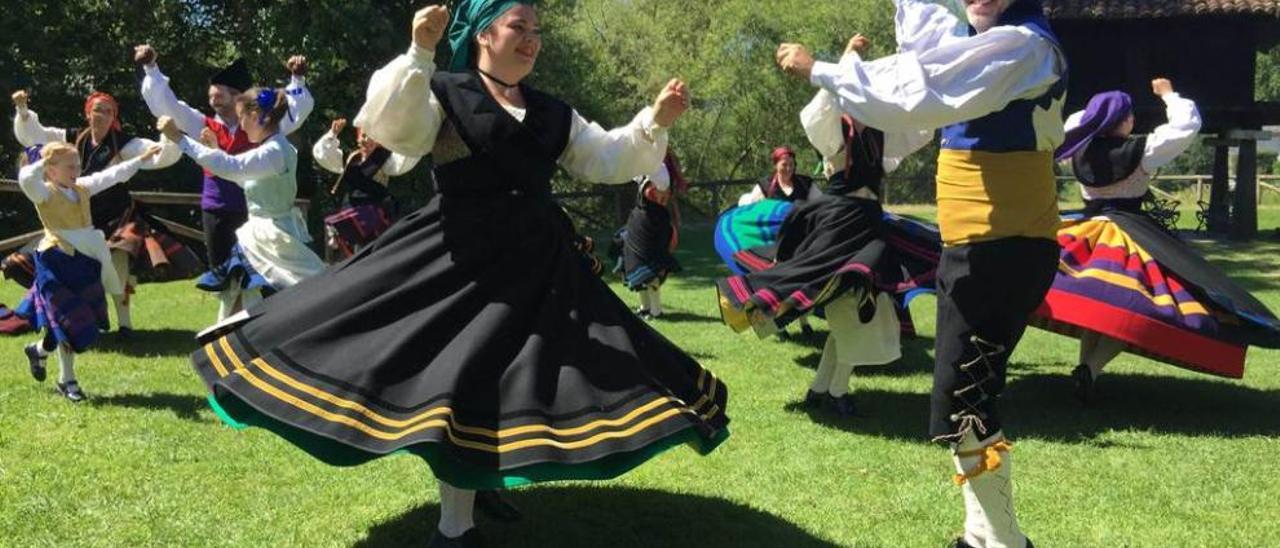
(1124,277)
(749,226)
(826,248)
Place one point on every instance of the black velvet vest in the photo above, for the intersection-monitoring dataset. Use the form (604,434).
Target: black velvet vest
(864,167)
(1108,160)
(800,186)
(359,184)
(109,205)
(482,149)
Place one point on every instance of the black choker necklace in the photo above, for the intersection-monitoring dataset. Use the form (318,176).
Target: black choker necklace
(496,80)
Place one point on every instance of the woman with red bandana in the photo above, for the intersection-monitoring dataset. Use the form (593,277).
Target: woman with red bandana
(132,235)
(784,183)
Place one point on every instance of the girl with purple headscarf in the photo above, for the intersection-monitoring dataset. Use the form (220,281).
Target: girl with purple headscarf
(1125,283)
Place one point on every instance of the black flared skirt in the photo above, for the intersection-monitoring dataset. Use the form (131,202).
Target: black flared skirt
(472,334)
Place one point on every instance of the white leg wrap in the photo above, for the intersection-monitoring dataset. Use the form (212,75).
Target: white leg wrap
(990,520)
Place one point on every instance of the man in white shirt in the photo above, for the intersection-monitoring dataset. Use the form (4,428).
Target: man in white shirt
(995,87)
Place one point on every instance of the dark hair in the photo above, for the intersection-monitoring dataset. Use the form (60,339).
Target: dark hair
(271,117)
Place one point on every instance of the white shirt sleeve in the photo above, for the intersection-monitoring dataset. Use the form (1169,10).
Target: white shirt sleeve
(756,195)
(400,112)
(261,162)
(920,25)
(109,177)
(1073,120)
(328,153)
(821,122)
(661,178)
(399,164)
(301,103)
(162,102)
(615,156)
(961,79)
(31,181)
(27,128)
(169,152)
(1174,137)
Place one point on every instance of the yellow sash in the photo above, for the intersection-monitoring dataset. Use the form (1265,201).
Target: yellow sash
(985,196)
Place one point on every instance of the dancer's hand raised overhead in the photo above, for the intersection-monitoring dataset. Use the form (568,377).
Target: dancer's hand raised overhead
(795,60)
(672,101)
(144,54)
(297,65)
(429,25)
(858,44)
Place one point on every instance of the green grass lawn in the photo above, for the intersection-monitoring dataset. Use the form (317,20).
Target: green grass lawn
(1166,458)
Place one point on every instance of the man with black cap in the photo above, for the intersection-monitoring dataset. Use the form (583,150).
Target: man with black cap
(222,201)
(995,85)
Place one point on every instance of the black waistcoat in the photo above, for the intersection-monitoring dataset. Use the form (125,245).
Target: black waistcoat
(482,149)
(800,186)
(359,183)
(109,205)
(865,162)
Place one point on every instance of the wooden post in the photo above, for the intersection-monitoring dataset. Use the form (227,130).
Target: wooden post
(1244,210)
(1219,215)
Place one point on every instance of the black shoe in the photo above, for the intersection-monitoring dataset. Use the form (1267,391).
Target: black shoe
(644,313)
(843,405)
(38,370)
(491,503)
(469,539)
(71,390)
(1083,378)
(806,331)
(124,333)
(814,400)
(784,336)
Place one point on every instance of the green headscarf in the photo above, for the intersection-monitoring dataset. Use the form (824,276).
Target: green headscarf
(470,18)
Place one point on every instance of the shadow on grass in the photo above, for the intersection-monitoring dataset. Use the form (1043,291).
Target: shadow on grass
(183,406)
(686,317)
(1040,406)
(144,343)
(616,517)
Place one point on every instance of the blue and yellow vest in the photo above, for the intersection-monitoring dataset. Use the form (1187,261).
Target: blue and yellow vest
(995,173)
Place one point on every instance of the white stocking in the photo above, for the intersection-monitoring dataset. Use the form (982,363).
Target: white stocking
(1096,351)
(826,367)
(456,507)
(66,364)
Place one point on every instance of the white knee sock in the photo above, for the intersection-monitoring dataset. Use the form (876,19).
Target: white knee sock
(123,316)
(1103,351)
(990,520)
(66,364)
(840,377)
(250,298)
(826,367)
(228,299)
(644,299)
(456,507)
(655,301)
